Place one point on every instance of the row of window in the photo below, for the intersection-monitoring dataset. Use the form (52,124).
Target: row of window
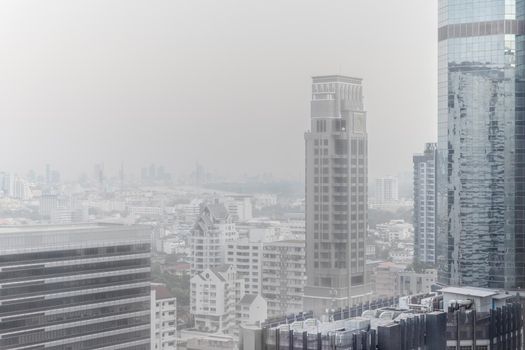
(60,255)
(41,304)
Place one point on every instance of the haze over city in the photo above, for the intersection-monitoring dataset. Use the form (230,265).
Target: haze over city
(223,83)
(262,175)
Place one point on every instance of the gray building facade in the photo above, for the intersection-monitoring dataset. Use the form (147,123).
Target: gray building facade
(75,287)
(481,143)
(336,195)
(425,199)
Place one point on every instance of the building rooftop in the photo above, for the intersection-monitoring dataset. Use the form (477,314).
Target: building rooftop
(247,299)
(161,291)
(470,291)
(336,78)
(64,227)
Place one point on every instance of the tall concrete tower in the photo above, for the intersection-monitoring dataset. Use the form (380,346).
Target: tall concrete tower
(336,195)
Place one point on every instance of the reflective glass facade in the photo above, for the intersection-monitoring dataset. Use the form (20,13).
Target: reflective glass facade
(75,287)
(481,141)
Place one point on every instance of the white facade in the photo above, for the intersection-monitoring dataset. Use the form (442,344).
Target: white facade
(212,231)
(251,310)
(163,318)
(393,279)
(240,208)
(284,276)
(215,293)
(411,282)
(387,190)
(247,257)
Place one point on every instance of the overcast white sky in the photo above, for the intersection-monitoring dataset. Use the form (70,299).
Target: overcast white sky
(225,83)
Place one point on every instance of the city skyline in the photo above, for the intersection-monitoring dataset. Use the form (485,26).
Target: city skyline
(120,92)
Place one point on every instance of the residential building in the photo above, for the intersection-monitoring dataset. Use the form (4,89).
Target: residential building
(425,204)
(215,293)
(75,287)
(481,138)
(247,257)
(416,282)
(284,276)
(336,194)
(387,190)
(393,279)
(163,318)
(211,233)
(387,279)
(251,310)
(239,207)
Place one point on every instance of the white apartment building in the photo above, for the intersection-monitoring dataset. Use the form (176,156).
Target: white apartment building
(387,190)
(412,282)
(283,276)
(239,207)
(215,293)
(210,235)
(247,257)
(163,318)
(192,210)
(393,279)
(251,310)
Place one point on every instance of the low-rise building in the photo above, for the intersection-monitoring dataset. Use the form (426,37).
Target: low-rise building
(251,310)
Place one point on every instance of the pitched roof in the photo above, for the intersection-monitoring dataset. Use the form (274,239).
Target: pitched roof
(161,291)
(218,211)
(247,299)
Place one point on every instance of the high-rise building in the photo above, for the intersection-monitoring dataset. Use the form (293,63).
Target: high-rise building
(212,231)
(425,205)
(247,258)
(387,190)
(481,143)
(75,287)
(336,194)
(283,276)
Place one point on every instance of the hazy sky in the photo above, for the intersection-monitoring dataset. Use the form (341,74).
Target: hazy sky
(222,82)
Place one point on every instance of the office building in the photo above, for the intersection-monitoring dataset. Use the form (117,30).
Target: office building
(481,144)
(336,194)
(75,287)
(425,205)
(163,318)
(387,190)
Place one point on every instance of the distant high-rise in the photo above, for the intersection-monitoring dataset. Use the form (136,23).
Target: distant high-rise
(75,287)
(425,205)
(481,143)
(387,190)
(336,194)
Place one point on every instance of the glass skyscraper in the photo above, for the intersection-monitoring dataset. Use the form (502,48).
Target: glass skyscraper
(481,143)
